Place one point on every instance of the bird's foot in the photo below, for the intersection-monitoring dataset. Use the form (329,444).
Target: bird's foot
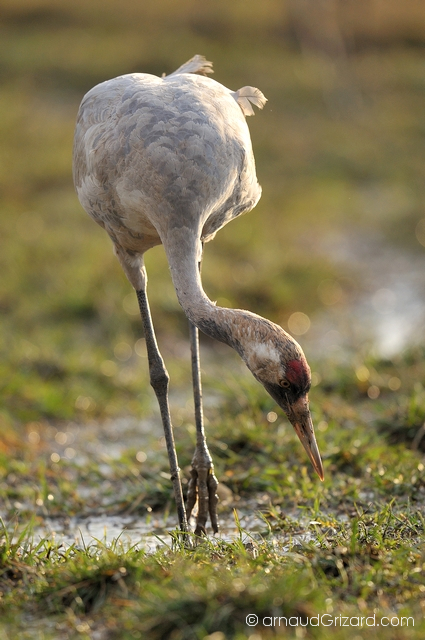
(202,488)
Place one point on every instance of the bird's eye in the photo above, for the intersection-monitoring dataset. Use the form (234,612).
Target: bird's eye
(284,383)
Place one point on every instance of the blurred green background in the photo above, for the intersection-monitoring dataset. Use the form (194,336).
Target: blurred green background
(340,154)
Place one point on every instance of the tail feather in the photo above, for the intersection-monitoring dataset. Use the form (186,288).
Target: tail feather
(197,64)
(244,96)
(247,95)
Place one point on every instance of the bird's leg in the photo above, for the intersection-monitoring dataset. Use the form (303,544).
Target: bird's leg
(159,380)
(203,483)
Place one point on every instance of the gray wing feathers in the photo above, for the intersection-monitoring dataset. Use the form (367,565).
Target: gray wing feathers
(247,95)
(197,64)
(152,152)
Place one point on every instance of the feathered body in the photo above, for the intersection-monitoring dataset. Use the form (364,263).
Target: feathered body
(155,153)
(169,160)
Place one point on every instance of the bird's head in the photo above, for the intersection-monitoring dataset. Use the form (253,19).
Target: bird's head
(278,362)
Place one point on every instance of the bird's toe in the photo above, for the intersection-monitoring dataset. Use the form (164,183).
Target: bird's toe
(202,489)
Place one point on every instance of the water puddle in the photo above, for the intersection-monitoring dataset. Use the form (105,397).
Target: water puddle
(386,311)
(151,533)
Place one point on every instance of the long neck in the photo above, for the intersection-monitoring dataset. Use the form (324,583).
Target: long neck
(184,255)
(262,344)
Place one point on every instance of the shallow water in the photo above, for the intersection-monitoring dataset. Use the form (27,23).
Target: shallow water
(385,311)
(150,533)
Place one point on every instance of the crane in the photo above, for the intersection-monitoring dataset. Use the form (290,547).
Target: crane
(169,161)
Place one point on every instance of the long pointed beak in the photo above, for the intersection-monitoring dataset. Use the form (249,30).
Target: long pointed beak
(300,419)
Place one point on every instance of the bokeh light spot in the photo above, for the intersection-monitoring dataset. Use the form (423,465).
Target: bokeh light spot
(373,392)
(123,351)
(330,292)
(299,323)
(362,373)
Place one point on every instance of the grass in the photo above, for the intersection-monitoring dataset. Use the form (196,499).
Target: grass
(371,568)
(339,150)
(351,547)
